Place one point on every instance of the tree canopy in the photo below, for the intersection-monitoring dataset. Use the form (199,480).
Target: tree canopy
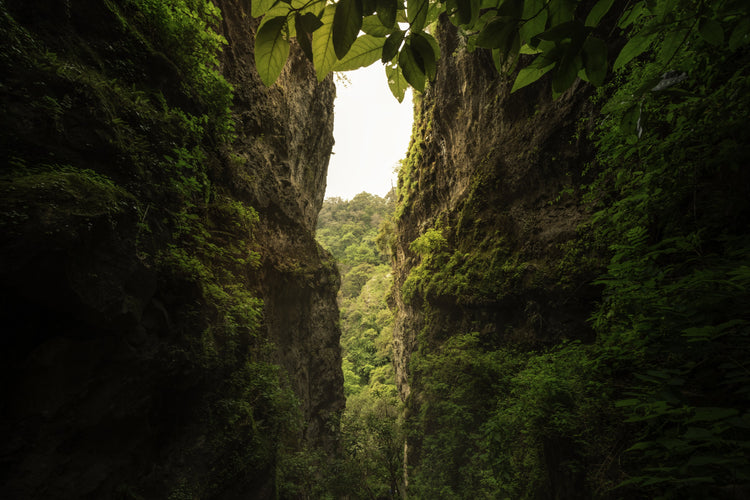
(371,435)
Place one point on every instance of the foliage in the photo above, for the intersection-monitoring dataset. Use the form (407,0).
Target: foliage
(198,254)
(675,304)
(80,193)
(495,414)
(372,438)
(373,441)
(563,37)
(485,272)
(253,421)
(185,30)
(350,230)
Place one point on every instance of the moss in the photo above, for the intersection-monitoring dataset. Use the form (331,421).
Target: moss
(59,197)
(581,259)
(122,123)
(200,257)
(408,174)
(477,270)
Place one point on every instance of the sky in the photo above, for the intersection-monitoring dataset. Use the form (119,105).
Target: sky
(372,133)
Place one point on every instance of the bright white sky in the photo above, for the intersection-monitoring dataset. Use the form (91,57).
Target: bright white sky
(372,133)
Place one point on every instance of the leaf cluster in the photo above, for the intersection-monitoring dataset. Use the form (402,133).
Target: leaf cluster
(674,311)
(561,35)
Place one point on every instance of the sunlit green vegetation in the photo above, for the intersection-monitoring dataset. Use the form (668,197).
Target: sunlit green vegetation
(371,424)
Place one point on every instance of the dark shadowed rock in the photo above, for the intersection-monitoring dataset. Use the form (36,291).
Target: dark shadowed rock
(134,361)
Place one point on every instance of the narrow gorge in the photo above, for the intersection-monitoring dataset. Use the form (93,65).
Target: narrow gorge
(553,303)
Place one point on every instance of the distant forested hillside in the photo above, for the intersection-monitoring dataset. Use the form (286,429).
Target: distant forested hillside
(353,231)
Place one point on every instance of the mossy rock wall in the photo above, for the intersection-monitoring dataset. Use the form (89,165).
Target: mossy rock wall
(492,179)
(169,323)
(488,238)
(571,283)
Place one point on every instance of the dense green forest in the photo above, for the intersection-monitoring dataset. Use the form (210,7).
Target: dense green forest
(353,232)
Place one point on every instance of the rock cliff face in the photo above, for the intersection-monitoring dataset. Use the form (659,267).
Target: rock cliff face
(548,289)
(156,264)
(487,214)
(285,136)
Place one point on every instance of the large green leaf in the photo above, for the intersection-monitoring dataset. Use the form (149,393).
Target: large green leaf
(416,13)
(387,12)
(433,43)
(364,51)
(535,16)
(391,46)
(500,33)
(427,56)
(396,81)
(671,44)
(467,11)
(303,33)
(324,55)
(309,22)
(271,50)
(411,67)
(260,7)
(532,7)
(491,35)
(635,47)
(368,7)
(281,9)
(572,30)
(711,31)
(561,11)
(372,26)
(566,71)
(533,72)
(347,21)
(595,60)
(632,14)
(598,11)
(511,8)
(304,6)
